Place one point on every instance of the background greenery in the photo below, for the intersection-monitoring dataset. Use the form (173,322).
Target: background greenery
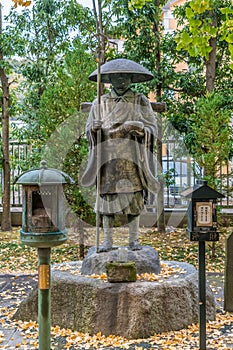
(55,44)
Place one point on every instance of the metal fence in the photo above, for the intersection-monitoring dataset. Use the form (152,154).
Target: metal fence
(184,172)
(177,168)
(19,154)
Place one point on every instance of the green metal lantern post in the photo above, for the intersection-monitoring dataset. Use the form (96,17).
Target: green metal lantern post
(202,227)
(43,227)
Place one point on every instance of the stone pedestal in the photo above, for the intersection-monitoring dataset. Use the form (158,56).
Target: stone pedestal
(146,259)
(133,310)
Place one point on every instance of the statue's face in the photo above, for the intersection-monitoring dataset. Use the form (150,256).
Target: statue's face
(120,82)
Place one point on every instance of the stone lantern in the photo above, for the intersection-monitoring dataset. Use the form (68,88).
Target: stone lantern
(43,227)
(43,221)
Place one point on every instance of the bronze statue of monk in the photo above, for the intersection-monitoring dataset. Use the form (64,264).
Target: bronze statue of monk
(128,131)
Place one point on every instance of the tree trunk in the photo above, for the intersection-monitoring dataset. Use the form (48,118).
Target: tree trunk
(210,79)
(160,194)
(6,214)
(211,66)
(211,62)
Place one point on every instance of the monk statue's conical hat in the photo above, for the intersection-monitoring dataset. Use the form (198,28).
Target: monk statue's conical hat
(137,72)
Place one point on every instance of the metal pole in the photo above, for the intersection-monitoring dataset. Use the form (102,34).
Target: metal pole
(202,296)
(44,298)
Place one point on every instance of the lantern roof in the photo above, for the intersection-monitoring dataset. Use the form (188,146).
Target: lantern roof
(202,191)
(137,72)
(44,176)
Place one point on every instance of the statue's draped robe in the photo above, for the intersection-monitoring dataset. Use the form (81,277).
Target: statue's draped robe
(127,165)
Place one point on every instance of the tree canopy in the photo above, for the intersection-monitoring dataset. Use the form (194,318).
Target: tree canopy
(201,46)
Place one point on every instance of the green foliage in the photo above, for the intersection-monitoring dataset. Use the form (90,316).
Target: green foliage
(74,195)
(139,29)
(169,177)
(57,127)
(55,82)
(46,27)
(184,90)
(199,116)
(207,132)
(226,30)
(137,4)
(201,29)
(56,67)
(201,6)
(204,21)
(210,135)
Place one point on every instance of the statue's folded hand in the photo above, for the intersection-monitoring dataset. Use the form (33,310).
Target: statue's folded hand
(135,128)
(96,125)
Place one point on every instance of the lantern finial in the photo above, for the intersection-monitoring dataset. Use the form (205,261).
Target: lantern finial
(43,164)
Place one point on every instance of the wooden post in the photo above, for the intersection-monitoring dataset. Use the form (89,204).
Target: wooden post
(228,280)
(202,295)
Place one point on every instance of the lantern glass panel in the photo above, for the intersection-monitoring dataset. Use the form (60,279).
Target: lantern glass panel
(44,209)
(204,212)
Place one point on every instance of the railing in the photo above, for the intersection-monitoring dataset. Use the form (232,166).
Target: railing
(178,174)
(19,154)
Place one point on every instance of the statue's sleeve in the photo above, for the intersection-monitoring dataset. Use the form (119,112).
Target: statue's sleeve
(89,177)
(149,117)
(148,165)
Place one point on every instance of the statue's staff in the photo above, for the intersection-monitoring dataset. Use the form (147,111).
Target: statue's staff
(98,142)
(98,161)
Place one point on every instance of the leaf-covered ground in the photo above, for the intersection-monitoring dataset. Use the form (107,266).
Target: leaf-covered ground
(18,260)
(173,245)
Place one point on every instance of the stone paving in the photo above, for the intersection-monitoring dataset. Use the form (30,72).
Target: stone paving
(13,288)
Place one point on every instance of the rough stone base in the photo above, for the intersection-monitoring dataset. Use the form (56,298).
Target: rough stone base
(146,259)
(133,310)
